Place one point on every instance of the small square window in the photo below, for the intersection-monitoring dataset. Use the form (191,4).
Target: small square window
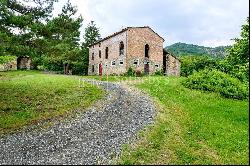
(106,64)
(136,62)
(121,62)
(113,63)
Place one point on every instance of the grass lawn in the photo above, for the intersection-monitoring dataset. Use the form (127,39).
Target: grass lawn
(192,127)
(27,97)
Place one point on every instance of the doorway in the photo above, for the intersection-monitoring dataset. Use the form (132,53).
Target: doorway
(100,69)
(146,60)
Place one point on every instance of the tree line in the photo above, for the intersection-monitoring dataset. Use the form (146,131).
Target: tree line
(28,28)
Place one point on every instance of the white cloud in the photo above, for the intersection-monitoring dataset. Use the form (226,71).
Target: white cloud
(209,23)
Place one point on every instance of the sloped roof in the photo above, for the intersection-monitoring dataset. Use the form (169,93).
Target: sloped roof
(123,30)
(165,52)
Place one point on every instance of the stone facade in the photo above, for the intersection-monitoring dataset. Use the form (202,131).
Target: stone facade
(24,63)
(137,47)
(173,66)
(134,41)
(12,65)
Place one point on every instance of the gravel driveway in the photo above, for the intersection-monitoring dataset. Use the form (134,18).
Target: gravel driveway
(94,136)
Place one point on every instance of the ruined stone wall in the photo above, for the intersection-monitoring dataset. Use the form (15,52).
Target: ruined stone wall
(173,67)
(24,63)
(113,45)
(12,65)
(137,39)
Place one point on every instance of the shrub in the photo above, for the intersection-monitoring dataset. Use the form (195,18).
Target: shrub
(5,59)
(191,64)
(130,72)
(217,81)
(159,73)
(138,73)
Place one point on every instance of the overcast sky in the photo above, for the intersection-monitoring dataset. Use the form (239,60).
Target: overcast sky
(203,22)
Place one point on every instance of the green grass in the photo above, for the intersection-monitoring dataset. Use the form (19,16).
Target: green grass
(192,127)
(28,97)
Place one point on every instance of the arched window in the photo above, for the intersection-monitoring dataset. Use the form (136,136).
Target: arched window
(146,51)
(100,54)
(106,53)
(121,48)
(93,56)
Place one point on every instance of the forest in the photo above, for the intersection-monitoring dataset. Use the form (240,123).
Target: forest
(53,42)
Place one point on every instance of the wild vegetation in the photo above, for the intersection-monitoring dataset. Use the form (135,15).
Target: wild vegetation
(192,127)
(28,97)
(228,76)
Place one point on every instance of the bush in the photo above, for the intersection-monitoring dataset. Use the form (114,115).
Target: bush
(5,59)
(159,73)
(130,72)
(217,81)
(191,64)
(138,73)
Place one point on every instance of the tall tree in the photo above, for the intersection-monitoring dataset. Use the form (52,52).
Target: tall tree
(238,58)
(91,35)
(20,20)
(62,37)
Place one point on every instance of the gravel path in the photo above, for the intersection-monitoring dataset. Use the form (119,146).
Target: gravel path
(95,136)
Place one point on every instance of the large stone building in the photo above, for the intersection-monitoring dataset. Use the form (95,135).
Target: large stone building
(137,47)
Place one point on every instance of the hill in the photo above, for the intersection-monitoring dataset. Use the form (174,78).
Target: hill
(180,49)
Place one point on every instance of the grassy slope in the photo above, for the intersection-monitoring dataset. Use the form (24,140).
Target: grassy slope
(192,127)
(29,96)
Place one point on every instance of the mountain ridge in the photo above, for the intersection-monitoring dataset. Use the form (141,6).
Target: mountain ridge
(183,49)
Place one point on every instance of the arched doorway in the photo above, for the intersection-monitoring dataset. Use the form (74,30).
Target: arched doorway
(146,60)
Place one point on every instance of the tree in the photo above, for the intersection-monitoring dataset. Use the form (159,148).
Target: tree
(91,35)
(20,22)
(62,36)
(237,62)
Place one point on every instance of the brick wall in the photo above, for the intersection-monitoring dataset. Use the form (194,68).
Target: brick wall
(137,39)
(113,45)
(12,65)
(173,66)
(134,40)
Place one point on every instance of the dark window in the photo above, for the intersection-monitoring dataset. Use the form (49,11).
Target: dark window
(121,48)
(93,68)
(121,62)
(106,53)
(99,44)
(113,63)
(146,51)
(93,56)
(100,54)
(136,62)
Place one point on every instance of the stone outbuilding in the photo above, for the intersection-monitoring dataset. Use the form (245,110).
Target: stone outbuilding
(171,64)
(139,48)
(11,65)
(24,62)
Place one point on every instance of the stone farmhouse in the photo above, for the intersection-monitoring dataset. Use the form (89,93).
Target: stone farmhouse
(140,48)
